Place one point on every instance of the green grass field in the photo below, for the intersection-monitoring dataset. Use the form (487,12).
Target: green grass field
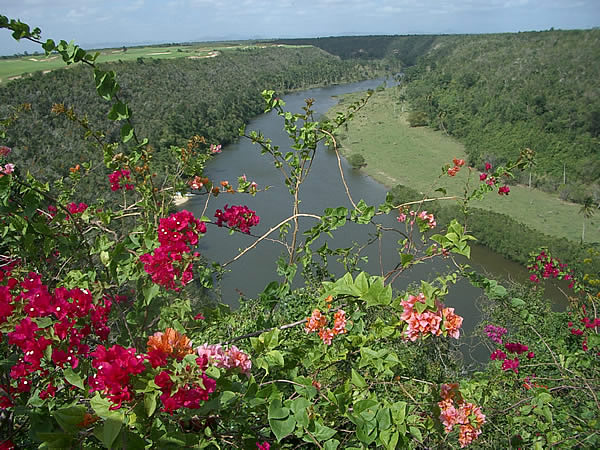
(13,68)
(398,154)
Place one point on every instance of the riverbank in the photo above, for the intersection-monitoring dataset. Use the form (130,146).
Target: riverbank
(395,154)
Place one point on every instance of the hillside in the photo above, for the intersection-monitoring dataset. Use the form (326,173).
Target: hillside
(171,101)
(501,93)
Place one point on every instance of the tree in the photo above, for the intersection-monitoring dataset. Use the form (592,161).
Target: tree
(587,211)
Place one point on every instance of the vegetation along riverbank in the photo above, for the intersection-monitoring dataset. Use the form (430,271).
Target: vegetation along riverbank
(396,154)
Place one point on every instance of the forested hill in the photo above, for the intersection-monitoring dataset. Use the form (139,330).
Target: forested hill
(404,50)
(501,93)
(171,100)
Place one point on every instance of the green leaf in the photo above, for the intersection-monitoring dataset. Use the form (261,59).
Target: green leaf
(362,282)
(101,406)
(416,433)
(150,292)
(277,410)
(150,402)
(274,359)
(54,441)
(111,429)
(126,132)
(119,111)
(69,418)
(331,444)
(322,432)
(358,380)
(517,302)
(389,438)
(384,419)
(282,427)
(73,378)
(398,411)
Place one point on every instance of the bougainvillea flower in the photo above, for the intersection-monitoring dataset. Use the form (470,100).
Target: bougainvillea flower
(170,343)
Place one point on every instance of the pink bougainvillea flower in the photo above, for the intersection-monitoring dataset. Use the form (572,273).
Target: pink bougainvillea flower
(488,166)
(264,446)
(452,322)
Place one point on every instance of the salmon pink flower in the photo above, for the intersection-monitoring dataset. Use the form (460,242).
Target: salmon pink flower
(452,322)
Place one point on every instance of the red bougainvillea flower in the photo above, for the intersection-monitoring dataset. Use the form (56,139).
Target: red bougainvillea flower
(503,190)
(264,446)
(488,166)
(511,364)
(516,347)
(118,180)
(237,217)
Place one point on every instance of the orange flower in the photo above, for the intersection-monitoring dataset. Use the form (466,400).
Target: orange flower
(171,343)
(75,169)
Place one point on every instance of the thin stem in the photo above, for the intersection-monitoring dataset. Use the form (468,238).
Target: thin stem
(271,230)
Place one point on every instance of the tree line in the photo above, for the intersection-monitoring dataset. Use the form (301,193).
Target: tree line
(171,101)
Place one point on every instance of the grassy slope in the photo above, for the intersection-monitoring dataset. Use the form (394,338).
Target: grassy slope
(15,67)
(398,154)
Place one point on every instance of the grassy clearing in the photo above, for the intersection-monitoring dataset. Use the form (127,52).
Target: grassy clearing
(398,154)
(13,68)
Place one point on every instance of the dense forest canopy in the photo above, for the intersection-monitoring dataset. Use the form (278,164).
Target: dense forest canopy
(501,93)
(172,100)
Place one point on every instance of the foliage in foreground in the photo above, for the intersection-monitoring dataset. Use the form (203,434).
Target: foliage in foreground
(97,323)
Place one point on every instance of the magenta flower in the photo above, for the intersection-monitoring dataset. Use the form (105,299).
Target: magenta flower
(511,364)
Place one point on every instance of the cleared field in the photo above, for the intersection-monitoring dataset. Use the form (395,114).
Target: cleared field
(398,154)
(13,68)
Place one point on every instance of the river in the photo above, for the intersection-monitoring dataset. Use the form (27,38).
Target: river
(251,273)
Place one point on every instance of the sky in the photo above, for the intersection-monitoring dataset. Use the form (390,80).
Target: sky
(111,23)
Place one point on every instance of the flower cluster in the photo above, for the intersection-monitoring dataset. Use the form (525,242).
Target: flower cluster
(75,208)
(52,329)
(237,217)
(458,163)
(422,320)
(198,182)
(495,333)
(454,411)
(317,322)
(231,358)
(4,150)
(215,148)
(118,180)
(492,180)
(114,368)
(7,169)
(424,220)
(171,344)
(544,266)
(195,387)
(588,325)
(170,264)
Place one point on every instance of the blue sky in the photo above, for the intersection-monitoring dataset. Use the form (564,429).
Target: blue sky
(116,22)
